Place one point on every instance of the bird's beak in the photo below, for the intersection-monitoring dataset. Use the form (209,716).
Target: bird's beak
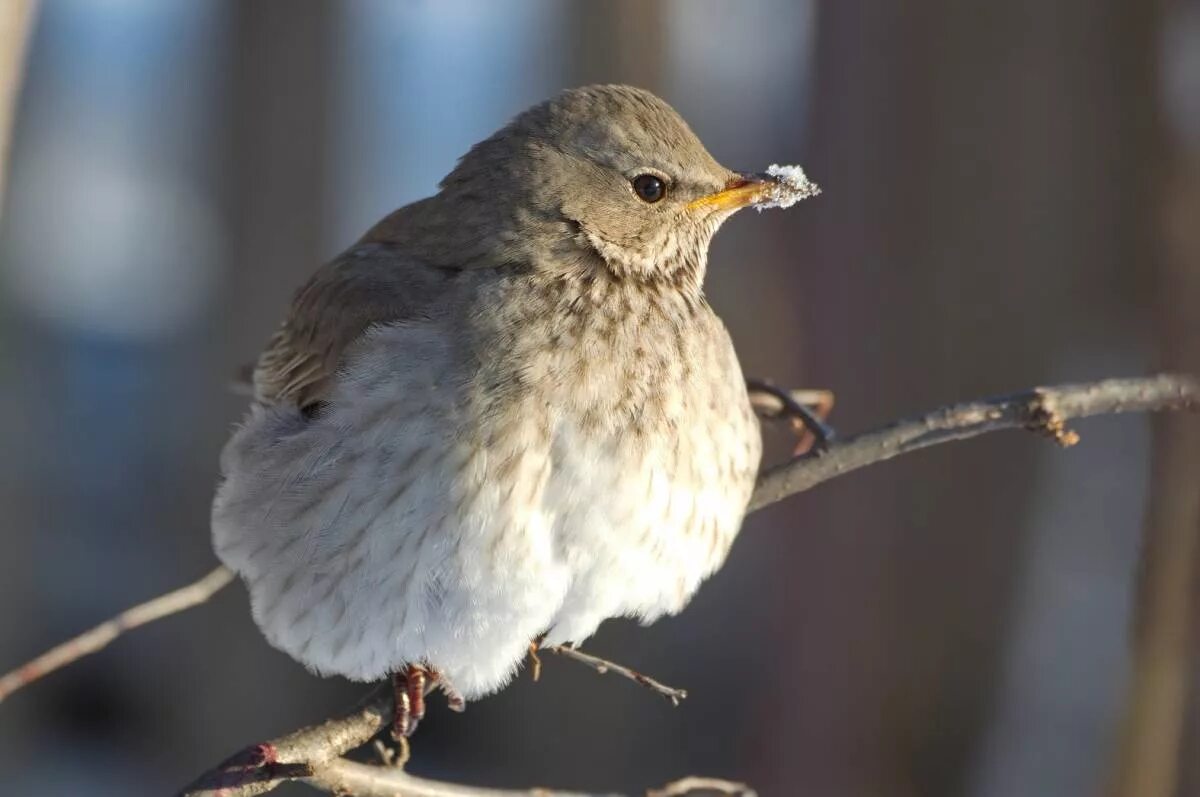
(740,191)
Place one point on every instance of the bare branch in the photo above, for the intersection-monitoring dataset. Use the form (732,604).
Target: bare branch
(361,780)
(99,637)
(1042,409)
(313,754)
(603,666)
(261,767)
(708,786)
(342,776)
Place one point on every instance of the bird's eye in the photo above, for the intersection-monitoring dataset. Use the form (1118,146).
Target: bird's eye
(649,188)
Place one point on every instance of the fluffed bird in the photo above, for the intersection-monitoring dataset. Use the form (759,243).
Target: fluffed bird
(506,414)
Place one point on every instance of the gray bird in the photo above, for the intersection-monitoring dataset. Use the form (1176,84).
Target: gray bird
(506,412)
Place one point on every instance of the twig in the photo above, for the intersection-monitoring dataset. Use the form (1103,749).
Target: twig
(689,786)
(350,777)
(313,753)
(1043,409)
(261,767)
(99,637)
(603,666)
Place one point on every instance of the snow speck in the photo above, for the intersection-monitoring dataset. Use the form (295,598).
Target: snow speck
(793,186)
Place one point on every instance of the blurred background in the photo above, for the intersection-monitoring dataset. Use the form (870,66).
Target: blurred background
(1012,197)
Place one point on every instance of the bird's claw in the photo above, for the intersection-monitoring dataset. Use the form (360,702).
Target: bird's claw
(411,686)
(535,661)
(454,699)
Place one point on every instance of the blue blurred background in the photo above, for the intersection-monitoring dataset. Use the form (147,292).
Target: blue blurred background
(1011,198)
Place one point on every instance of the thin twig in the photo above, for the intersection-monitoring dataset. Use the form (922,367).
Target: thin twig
(312,753)
(99,637)
(708,786)
(1043,409)
(603,666)
(261,767)
(350,777)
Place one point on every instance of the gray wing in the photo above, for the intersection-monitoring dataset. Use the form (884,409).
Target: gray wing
(369,284)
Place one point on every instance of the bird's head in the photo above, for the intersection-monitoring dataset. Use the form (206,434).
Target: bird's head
(604,176)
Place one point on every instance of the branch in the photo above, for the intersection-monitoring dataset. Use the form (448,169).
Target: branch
(313,753)
(349,777)
(261,767)
(362,780)
(1042,409)
(603,666)
(99,637)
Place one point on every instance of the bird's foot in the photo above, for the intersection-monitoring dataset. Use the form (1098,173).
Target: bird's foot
(454,699)
(804,410)
(535,661)
(409,687)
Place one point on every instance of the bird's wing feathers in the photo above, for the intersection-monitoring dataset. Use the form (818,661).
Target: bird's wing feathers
(371,284)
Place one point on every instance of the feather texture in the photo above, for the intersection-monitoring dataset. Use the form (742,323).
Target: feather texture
(507,411)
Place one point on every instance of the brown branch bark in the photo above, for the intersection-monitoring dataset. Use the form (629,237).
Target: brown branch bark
(362,780)
(99,637)
(342,776)
(313,754)
(261,767)
(1042,409)
(603,666)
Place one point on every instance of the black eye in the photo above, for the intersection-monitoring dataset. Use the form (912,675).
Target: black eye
(649,188)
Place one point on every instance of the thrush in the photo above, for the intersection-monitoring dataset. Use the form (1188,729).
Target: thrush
(506,413)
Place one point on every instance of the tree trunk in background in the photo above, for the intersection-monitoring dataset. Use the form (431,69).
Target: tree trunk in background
(619,42)
(16,18)
(972,159)
(988,223)
(279,116)
(1158,749)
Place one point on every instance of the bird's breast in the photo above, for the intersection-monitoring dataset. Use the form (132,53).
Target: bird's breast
(653,453)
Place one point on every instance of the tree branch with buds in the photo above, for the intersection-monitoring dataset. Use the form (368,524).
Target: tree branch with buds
(314,754)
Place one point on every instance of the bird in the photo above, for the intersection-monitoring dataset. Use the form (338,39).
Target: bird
(504,415)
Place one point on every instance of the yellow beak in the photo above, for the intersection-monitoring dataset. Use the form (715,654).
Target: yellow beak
(739,192)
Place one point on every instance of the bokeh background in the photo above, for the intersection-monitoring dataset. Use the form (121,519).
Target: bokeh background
(1012,197)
